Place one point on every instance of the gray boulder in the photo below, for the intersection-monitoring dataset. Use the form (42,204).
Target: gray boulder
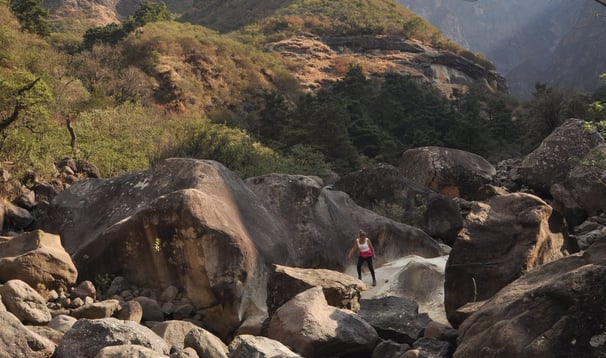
(205,343)
(245,346)
(320,222)
(87,337)
(583,192)
(173,331)
(128,351)
(394,318)
(383,189)
(553,160)
(187,223)
(452,172)
(24,302)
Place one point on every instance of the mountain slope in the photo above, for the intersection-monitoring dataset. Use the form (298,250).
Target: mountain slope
(529,41)
(318,39)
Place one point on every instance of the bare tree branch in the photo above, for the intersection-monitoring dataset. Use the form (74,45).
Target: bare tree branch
(601,2)
(72,132)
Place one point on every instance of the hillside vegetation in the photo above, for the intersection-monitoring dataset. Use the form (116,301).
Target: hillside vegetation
(133,95)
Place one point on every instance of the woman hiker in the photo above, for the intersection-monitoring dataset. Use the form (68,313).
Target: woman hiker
(365,253)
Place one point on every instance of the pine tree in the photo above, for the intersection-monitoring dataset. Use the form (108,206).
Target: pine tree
(32,17)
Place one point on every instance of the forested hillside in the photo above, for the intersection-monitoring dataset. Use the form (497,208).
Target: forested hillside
(126,94)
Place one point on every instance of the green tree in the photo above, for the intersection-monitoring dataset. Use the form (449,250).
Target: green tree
(147,12)
(322,122)
(545,110)
(32,17)
(113,33)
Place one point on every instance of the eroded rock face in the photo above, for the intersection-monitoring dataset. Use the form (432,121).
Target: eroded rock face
(553,160)
(37,258)
(503,238)
(556,310)
(452,172)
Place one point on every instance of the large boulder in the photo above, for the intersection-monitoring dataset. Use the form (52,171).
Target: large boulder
(395,318)
(383,189)
(340,290)
(452,172)
(174,331)
(321,223)
(583,192)
(24,302)
(552,161)
(416,278)
(246,345)
(205,343)
(18,341)
(503,238)
(87,337)
(186,223)
(37,258)
(556,310)
(128,351)
(312,328)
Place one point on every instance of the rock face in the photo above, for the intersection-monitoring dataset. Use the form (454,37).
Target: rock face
(37,258)
(312,328)
(320,222)
(555,310)
(502,239)
(557,155)
(340,290)
(452,172)
(383,189)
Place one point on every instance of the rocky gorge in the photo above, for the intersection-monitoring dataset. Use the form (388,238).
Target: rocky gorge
(186,259)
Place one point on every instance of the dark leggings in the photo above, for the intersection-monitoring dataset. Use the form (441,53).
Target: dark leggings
(370,268)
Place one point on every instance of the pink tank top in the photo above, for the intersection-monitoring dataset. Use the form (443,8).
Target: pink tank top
(364,249)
